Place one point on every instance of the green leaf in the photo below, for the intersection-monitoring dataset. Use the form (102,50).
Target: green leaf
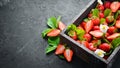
(50,49)
(71,27)
(109,52)
(102,20)
(44,33)
(116,14)
(95,12)
(80,33)
(52,22)
(58,19)
(116,42)
(86,19)
(54,40)
(61,56)
(107,12)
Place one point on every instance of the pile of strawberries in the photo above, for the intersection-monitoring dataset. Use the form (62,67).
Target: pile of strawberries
(101,27)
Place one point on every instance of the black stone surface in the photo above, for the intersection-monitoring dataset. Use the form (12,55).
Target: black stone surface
(21,23)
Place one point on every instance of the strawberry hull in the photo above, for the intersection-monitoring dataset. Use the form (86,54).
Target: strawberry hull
(81,51)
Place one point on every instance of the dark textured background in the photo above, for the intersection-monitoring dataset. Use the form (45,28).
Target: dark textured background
(21,23)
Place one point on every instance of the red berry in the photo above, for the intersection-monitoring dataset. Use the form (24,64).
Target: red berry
(91,47)
(113,36)
(114,6)
(112,30)
(107,4)
(101,15)
(96,28)
(105,47)
(61,25)
(101,7)
(117,24)
(53,33)
(87,37)
(68,53)
(96,21)
(96,33)
(60,49)
(88,26)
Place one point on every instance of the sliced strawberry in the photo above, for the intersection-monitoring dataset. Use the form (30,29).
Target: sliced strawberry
(105,46)
(53,33)
(88,26)
(107,4)
(113,36)
(91,47)
(101,15)
(87,37)
(117,24)
(85,43)
(60,49)
(96,21)
(114,6)
(96,28)
(61,25)
(68,53)
(112,30)
(72,34)
(96,33)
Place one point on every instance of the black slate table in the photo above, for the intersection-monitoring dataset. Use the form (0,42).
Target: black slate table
(21,23)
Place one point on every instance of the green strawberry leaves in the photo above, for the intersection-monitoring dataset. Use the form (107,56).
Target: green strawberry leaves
(102,20)
(116,42)
(95,12)
(52,22)
(107,12)
(44,33)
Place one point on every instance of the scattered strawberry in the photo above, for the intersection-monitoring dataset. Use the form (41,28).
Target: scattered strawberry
(101,15)
(87,37)
(114,6)
(107,4)
(61,25)
(88,26)
(105,46)
(53,33)
(60,49)
(113,36)
(91,47)
(96,21)
(117,24)
(96,28)
(96,33)
(68,53)
(112,30)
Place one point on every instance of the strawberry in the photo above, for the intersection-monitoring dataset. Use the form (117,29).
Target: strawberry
(96,42)
(105,46)
(85,43)
(88,26)
(117,24)
(114,6)
(107,4)
(112,30)
(68,53)
(107,34)
(96,21)
(90,15)
(96,33)
(72,34)
(113,36)
(61,26)
(83,24)
(96,28)
(101,7)
(87,37)
(109,19)
(60,49)
(91,47)
(101,15)
(53,33)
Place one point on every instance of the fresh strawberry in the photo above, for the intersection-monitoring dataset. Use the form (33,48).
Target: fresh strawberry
(60,49)
(112,30)
(68,53)
(61,25)
(85,43)
(107,34)
(101,7)
(113,36)
(53,33)
(117,24)
(101,15)
(105,46)
(96,42)
(109,19)
(96,33)
(88,26)
(96,28)
(107,4)
(87,37)
(91,47)
(83,24)
(96,21)
(114,6)
(72,34)
(90,15)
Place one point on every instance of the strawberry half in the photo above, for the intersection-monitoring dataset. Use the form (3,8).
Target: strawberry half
(88,26)
(113,36)
(117,24)
(96,33)
(101,15)
(61,25)
(60,49)
(68,53)
(53,33)
(91,47)
(114,6)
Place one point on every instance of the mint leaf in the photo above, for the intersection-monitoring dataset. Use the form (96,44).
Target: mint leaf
(102,20)
(50,48)
(44,33)
(116,42)
(52,22)
(107,12)
(95,12)
(53,41)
